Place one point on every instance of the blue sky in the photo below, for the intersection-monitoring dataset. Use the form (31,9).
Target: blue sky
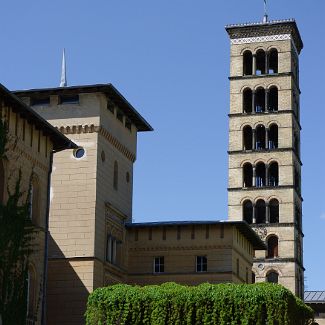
(171,61)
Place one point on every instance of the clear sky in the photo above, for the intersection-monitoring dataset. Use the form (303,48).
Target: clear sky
(170,59)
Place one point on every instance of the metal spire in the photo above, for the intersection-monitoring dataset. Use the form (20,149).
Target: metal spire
(265,18)
(63,82)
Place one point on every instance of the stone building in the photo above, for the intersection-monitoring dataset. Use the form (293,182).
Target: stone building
(31,144)
(264,145)
(316,300)
(93,241)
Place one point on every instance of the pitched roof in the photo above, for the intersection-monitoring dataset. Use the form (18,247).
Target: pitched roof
(60,142)
(108,89)
(314,297)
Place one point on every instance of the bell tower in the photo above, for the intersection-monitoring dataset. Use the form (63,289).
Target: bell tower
(264,186)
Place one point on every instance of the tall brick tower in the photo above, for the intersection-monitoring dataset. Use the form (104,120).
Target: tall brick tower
(264,145)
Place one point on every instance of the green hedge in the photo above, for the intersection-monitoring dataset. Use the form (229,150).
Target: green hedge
(173,304)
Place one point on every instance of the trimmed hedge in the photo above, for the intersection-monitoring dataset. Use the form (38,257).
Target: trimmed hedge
(206,304)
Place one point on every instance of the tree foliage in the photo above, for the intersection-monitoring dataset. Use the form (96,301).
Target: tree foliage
(206,304)
(16,234)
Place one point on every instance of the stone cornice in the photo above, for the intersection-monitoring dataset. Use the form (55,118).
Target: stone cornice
(91,128)
(179,248)
(118,145)
(283,111)
(278,260)
(264,151)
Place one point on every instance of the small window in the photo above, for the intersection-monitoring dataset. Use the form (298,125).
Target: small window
(111,249)
(119,115)
(159,264)
(115,176)
(69,99)
(272,277)
(128,124)
(79,153)
(201,264)
(45,101)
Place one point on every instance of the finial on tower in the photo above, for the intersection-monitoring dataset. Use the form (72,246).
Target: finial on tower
(265,18)
(63,82)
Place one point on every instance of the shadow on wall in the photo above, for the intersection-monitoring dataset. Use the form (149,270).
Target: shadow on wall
(66,293)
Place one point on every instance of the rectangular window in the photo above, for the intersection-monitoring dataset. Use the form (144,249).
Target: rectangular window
(111,249)
(119,115)
(159,266)
(237,267)
(45,101)
(201,264)
(69,99)
(128,124)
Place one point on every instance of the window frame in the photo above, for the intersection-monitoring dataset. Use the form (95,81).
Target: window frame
(201,264)
(159,264)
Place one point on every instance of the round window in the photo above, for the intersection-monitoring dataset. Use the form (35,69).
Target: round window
(79,153)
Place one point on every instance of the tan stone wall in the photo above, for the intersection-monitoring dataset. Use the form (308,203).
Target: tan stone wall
(221,248)
(69,284)
(29,151)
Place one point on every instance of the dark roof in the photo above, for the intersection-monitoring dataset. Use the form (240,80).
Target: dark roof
(272,27)
(109,89)
(242,226)
(314,297)
(60,142)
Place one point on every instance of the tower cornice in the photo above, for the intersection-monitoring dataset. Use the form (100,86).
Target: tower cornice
(261,29)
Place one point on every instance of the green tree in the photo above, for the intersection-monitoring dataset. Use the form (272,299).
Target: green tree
(16,235)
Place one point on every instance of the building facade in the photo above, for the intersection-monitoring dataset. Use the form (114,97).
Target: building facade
(31,143)
(264,145)
(93,242)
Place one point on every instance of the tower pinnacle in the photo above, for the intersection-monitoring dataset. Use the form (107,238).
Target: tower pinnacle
(63,82)
(265,17)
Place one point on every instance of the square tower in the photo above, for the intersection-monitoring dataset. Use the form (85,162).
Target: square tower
(264,145)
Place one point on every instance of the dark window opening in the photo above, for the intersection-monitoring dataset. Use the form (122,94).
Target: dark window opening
(274,174)
(272,247)
(260,211)
(253,277)
(40,101)
(248,63)
(247,101)
(272,277)
(119,115)
(273,136)
(201,264)
(273,61)
(248,212)
(260,62)
(115,176)
(260,175)
(248,138)
(248,175)
(260,100)
(274,211)
(69,99)
(260,137)
(159,264)
(273,99)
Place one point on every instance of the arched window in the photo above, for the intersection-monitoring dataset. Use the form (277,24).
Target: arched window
(273,136)
(260,137)
(273,61)
(272,277)
(248,175)
(247,100)
(35,201)
(274,174)
(273,99)
(260,175)
(260,212)
(272,247)
(31,293)
(248,138)
(274,211)
(260,100)
(2,181)
(260,62)
(115,180)
(247,63)
(248,211)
